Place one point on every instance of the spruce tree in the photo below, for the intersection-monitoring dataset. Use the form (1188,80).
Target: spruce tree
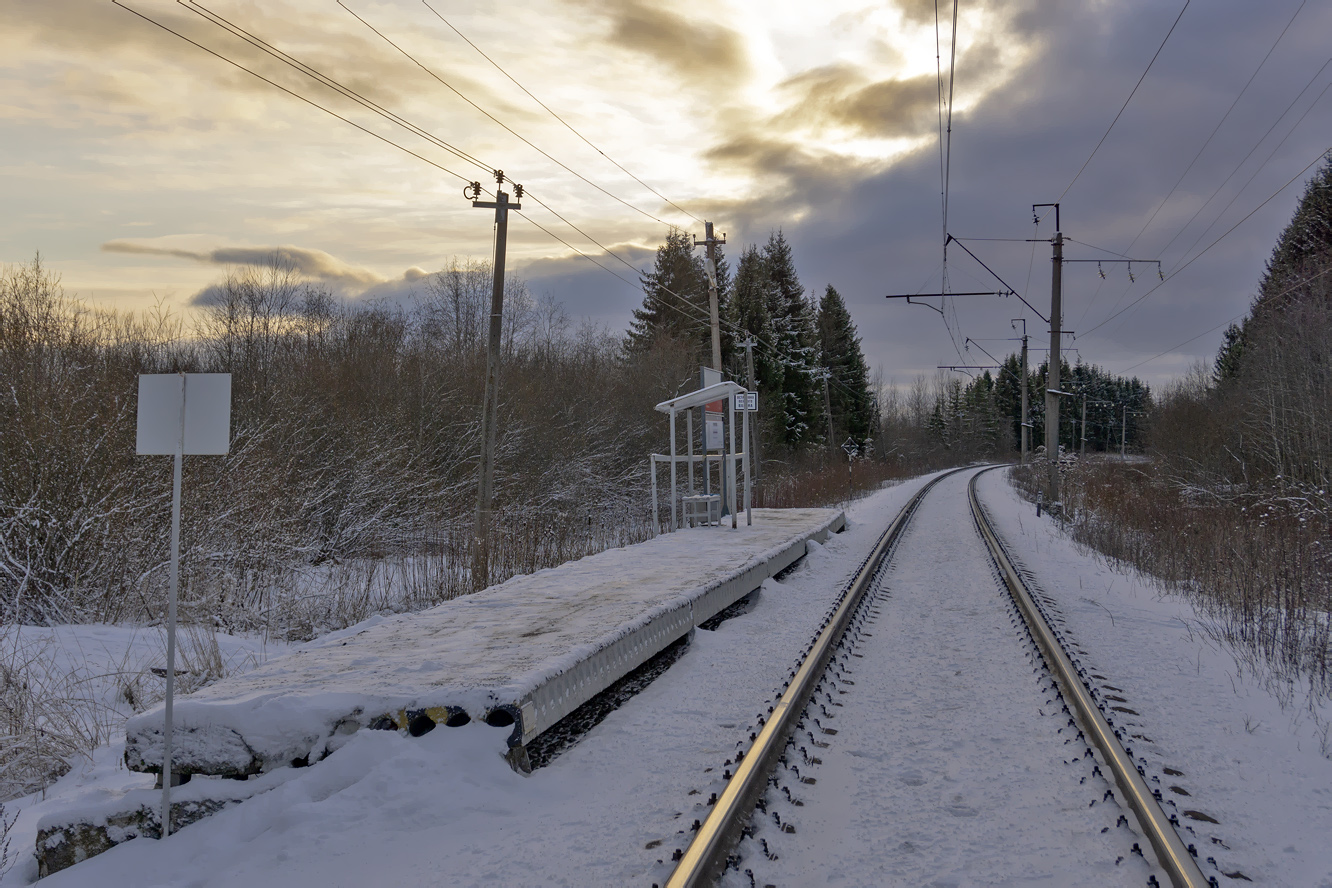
(840,353)
(748,310)
(675,298)
(796,341)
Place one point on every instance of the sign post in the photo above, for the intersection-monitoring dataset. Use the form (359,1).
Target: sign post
(746,402)
(180,413)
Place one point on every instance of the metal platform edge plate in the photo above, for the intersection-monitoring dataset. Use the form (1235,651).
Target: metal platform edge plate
(551,701)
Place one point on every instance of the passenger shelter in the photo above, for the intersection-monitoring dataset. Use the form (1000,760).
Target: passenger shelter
(706,508)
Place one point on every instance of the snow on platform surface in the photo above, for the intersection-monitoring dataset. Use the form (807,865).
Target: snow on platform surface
(483,651)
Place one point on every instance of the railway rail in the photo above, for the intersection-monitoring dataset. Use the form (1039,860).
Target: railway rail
(709,853)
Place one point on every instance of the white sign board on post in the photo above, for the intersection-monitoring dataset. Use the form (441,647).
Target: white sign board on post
(207,416)
(180,413)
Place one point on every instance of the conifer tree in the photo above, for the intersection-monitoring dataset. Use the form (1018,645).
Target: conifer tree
(796,341)
(840,353)
(748,310)
(675,298)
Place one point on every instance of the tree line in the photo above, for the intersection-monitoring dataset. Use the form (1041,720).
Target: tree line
(1261,416)
(355,425)
(798,340)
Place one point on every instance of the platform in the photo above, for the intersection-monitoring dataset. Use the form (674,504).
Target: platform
(527,652)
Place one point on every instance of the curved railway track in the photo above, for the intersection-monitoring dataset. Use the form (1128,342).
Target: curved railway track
(716,838)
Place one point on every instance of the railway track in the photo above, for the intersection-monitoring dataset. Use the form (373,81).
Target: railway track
(973,727)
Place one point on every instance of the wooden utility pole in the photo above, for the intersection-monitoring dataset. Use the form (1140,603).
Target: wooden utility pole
(490,404)
(710,266)
(1052,380)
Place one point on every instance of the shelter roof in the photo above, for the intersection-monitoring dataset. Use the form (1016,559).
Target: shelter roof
(706,395)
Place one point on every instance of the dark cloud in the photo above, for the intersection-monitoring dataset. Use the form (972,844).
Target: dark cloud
(586,291)
(841,96)
(878,231)
(924,11)
(315,264)
(696,50)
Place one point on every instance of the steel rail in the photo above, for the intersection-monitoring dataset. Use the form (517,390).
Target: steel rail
(705,858)
(1171,852)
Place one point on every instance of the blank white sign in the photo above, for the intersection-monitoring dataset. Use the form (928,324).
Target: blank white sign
(207,398)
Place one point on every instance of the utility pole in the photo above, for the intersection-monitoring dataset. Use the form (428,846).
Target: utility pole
(1052,381)
(1024,423)
(490,404)
(1123,432)
(710,266)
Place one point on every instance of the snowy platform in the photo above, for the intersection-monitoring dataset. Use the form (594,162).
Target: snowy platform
(525,653)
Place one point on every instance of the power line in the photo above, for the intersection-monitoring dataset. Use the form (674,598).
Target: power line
(1255,147)
(346,91)
(1269,301)
(552,113)
(290,92)
(1259,169)
(1126,102)
(510,130)
(329,82)
(1218,126)
(1203,252)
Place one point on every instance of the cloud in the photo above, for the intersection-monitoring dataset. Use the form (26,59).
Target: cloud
(841,96)
(314,264)
(698,50)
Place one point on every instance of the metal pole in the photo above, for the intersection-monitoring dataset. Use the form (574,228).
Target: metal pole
(689,433)
(730,460)
(656,521)
(174,586)
(1025,422)
(673,470)
(1052,382)
(749,512)
(749,382)
(1123,432)
(490,404)
(1083,450)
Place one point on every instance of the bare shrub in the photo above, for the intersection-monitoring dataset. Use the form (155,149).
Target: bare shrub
(1259,563)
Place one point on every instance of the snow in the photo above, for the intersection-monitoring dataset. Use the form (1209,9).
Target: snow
(484,650)
(951,764)
(390,809)
(1260,769)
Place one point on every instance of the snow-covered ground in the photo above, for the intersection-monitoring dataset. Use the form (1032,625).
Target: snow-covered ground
(952,763)
(1220,743)
(389,809)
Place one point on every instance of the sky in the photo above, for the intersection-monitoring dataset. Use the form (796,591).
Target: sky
(143,168)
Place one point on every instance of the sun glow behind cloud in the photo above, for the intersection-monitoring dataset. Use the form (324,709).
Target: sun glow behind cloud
(719,109)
